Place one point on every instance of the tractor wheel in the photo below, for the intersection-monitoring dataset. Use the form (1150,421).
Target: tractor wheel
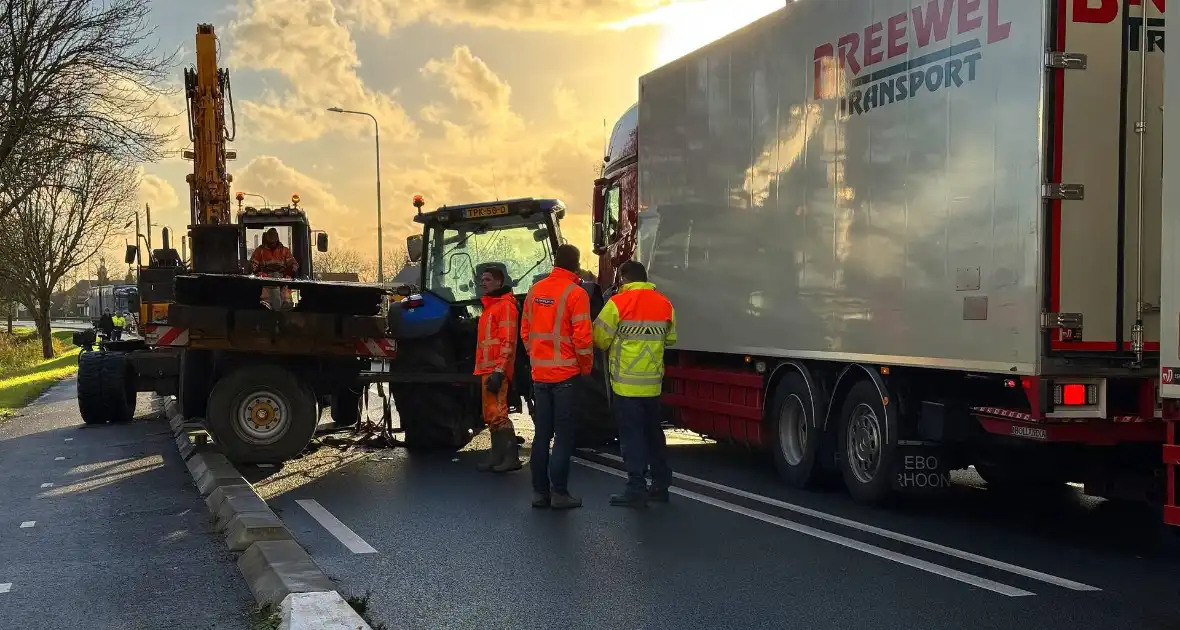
(346,407)
(437,417)
(262,414)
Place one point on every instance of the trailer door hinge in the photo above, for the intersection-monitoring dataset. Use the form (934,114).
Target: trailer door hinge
(1064,192)
(1061,320)
(1065,61)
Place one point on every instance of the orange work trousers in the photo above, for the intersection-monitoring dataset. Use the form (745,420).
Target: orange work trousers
(495,406)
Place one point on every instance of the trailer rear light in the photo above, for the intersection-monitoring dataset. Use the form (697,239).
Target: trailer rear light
(1075,394)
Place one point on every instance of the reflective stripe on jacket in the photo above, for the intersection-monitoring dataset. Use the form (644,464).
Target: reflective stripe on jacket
(556,328)
(496,349)
(282,255)
(634,327)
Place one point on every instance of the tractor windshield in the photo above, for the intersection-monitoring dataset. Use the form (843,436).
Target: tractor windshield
(457,255)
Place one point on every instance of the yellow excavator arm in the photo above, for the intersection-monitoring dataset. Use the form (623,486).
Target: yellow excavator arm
(207,90)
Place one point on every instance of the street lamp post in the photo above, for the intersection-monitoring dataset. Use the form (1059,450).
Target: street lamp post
(377,139)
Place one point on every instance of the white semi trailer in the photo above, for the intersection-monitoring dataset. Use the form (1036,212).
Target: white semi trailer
(908,236)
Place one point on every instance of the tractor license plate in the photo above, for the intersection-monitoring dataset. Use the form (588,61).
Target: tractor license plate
(921,469)
(486,211)
(379,366)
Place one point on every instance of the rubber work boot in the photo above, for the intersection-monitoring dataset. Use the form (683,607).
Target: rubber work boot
(629,499)
(540,500)
(495,454)
(658,495)
(564,502)
(510,454)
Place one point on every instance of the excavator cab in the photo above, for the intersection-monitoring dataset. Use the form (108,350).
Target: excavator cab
(294,232)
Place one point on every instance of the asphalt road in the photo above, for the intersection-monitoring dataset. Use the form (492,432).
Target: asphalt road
(101,528)
(439,545)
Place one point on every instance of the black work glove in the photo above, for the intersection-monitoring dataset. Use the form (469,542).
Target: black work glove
(495,382)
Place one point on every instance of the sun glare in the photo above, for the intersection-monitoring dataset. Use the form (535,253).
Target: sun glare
(687,26)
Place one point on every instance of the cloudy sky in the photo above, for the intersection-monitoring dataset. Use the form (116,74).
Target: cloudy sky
(476,99)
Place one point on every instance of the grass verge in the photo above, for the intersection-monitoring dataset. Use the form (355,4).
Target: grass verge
(264,617)
(24,375)
(360,604)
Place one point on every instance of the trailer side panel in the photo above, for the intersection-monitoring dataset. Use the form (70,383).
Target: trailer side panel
(854,180)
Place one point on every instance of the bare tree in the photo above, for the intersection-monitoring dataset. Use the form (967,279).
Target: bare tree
(395,259)
(60,226)
(77,77)
(342,260)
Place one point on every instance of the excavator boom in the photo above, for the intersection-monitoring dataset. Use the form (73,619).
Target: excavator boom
(207,89)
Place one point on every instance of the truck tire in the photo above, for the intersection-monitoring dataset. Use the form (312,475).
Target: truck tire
(262,414)
(867,445)
(118,389)
(346,407)
(436,417)
(90,399)
(794,436)
(596,425)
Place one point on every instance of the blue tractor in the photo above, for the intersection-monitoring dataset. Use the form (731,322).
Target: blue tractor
(435,322)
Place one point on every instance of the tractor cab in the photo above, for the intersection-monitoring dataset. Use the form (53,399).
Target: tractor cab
(458,243)
(294,232)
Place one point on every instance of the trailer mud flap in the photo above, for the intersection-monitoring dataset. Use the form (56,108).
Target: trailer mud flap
(921,468)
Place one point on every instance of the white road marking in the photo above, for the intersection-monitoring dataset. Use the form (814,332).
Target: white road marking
(69,439)
(885,533)
(27,524)
(355,543)
(59,459)
(929,567)
(47,485)
(5,587)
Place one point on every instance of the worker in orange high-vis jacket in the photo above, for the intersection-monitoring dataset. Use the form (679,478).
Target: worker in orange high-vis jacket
(557,334)
(273,259)
(495,354)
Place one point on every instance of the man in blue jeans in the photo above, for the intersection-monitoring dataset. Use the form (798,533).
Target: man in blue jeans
(634,328)
(555,328)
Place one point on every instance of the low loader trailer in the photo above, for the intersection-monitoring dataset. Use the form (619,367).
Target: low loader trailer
(905,237)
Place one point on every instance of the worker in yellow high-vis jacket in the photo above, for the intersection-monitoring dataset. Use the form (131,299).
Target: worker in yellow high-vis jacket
(633,328)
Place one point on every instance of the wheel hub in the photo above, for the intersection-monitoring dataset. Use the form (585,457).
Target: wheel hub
(792,430)
(262,417)
(863,447)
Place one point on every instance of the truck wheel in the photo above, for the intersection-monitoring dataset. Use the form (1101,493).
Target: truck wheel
(346,408)
(118,391)
(596,426)
(261,414)
(90,400)
(794,436)
(867,445)
(436,417)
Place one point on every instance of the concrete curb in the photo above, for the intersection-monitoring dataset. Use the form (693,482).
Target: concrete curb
(278,570)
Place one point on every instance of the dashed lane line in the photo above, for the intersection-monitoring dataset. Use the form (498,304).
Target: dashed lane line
(27,524)
(346,536)
(5,587)
(884,533)
(929,567)
(47,485)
